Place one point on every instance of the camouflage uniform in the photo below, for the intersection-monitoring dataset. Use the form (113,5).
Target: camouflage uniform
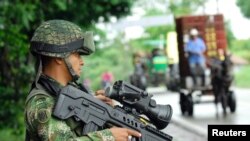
(40,123)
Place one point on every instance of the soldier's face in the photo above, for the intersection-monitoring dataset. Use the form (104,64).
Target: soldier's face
(76,62)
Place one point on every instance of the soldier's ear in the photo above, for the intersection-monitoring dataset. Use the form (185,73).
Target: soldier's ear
(59,61)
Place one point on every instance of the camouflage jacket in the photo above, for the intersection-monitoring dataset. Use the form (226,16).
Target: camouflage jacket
(41,125)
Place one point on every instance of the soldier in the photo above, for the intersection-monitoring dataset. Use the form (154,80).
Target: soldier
(58,46)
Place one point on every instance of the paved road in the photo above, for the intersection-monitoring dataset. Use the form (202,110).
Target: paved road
(185,128)
(182,134)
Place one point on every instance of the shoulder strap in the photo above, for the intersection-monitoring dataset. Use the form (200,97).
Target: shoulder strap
(39,90)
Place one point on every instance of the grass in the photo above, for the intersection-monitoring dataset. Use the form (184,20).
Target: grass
(242,77)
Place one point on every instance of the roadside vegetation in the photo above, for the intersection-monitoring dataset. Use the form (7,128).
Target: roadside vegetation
(241,48)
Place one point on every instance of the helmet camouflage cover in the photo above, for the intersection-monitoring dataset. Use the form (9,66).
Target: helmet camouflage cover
(58,38)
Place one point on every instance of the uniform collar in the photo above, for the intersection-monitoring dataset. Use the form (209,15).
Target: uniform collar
(50,84)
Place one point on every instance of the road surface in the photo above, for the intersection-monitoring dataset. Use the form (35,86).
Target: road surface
(185,128)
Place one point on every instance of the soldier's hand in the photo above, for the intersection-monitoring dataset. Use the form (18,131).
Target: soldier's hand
(123,134)
(100,94)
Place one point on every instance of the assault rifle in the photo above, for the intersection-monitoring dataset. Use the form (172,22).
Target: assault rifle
(96,115)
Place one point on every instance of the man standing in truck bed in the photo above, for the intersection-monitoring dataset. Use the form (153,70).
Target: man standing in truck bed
(195,49)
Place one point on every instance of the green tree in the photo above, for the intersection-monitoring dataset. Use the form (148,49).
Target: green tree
(230,35)
(244,7)
(113,58)
(184,7)
(162,7)
(156,36)
(18,20)
(175,7)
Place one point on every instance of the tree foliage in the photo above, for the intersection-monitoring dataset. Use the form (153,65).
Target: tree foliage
(114,58)
(185,7)
(244,6)
(162,7)
(230,34)
(175,7)
(18,20)
(156,36)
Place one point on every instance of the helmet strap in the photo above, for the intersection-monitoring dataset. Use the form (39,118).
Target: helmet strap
(38,69)
(75,77)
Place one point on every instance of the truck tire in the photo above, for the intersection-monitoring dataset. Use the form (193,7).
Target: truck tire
(232,101)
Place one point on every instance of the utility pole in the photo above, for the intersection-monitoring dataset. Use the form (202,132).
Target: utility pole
(217,6)
(204,7)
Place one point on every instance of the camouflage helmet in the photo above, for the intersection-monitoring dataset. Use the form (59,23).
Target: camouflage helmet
(58,38)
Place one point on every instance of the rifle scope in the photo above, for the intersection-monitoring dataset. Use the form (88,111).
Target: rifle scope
(133,98)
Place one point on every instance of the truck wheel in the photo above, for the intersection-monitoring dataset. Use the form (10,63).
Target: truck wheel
(232,101)
(183,103)
(190,105)
(224,102)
